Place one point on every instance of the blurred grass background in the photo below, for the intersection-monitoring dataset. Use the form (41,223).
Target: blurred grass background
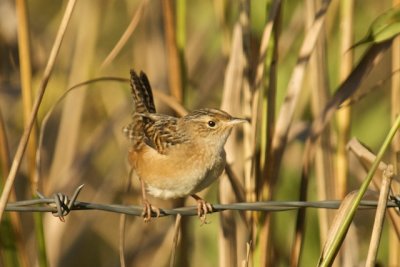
(192,51)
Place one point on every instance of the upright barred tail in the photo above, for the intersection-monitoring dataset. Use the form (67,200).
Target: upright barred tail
(142,94)
(144,104)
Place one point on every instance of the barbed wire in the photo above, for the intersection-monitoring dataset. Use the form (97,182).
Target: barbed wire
(60,205)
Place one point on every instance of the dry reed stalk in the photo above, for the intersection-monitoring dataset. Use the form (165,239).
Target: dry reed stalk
(5,160)
(394,240)
(324,172)
(221,7)
(338,238)
(162,250)
(126,35)
(120,96)
(62,172)
(176,78)
(270,37)
(369,60)
(175,240)
(372,56)
(318,82)
(246,234)
(121,243)
(42,88)
(13,217)
(345,90)
(68,140)
(26,86)
(122,225)
(247,98)
(174,66)
(247,261)
(379,217)
(286,112)
(336,223)
(343,115)
(228,247)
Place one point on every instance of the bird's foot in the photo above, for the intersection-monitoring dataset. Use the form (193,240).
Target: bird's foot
(203,207)
(148,209)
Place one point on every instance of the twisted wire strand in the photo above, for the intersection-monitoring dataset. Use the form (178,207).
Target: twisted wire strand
(60,206)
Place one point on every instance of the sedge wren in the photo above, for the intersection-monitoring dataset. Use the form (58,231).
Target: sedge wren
(175,157)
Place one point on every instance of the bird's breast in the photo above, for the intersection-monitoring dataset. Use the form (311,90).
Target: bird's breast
(183,170)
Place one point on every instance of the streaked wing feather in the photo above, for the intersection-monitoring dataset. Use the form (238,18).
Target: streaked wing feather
(162,133)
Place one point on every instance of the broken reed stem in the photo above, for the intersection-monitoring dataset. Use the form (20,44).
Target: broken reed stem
(380,216)
(338,239)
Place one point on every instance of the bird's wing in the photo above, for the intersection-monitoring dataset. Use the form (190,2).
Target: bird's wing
(161,132)
(147,127)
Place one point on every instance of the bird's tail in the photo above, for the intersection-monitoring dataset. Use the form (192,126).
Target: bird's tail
(142,94)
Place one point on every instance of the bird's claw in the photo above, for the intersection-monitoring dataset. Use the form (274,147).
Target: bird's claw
(203,207)
(148,209)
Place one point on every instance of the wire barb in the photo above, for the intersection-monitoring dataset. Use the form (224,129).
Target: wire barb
(62,203)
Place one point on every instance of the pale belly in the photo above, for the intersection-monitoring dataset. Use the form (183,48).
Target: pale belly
(174,176)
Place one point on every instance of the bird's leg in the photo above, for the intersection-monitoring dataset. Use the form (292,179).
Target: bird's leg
(203,207)
(147,207)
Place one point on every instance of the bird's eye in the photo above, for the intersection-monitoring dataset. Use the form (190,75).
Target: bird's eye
(211,124)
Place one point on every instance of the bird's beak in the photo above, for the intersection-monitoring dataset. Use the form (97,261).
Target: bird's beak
(235,121)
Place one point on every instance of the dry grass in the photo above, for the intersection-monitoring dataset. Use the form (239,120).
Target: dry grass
(285,65)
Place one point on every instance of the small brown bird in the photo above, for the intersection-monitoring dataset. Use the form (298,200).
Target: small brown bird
(175,157)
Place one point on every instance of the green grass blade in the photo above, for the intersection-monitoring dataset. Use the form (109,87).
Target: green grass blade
(364,187)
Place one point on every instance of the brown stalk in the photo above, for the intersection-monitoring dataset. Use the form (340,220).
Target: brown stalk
(347,88)
(174,66)
(394,240)
(379,216)
(121,243)
(247,233)
(14,216)
(32,119)
(26,88)
(337,221)
(69,129)
(268,106)
(320,94)
(126,35)
(26,85)
(228,246)
(175,240)
(247,261)
(366,158)
(4,149)
(343,115)
(324,172)
(122,225)
(370,59)
(286,113)
(265,40)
